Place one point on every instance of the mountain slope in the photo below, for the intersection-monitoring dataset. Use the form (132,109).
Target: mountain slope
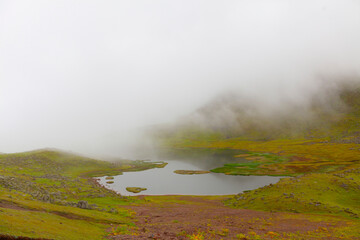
(50,194)
(333,113)
(322,137)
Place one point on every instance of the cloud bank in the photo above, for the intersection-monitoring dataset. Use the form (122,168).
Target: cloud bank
(82,75)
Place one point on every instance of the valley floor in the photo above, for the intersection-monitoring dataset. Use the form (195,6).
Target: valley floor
(192,217)
(51,195)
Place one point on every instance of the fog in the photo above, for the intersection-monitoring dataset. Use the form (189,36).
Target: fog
(86,76)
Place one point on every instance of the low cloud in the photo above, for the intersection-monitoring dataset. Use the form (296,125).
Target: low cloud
(86,75)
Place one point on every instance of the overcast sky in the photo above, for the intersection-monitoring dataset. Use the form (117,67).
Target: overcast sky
(79,75)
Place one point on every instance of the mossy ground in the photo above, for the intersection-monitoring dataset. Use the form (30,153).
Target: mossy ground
(192,217)
(135,189)
(330,200)
(190,172)
(324,169)
(283,157)
(37,187)
(335,194)
(325,173)
(39,192)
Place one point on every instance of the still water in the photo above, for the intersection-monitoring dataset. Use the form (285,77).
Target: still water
(163,181)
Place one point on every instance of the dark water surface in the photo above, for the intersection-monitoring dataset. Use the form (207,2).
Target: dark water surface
(163,181)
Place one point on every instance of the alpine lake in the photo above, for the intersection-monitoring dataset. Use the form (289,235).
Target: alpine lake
(195,180)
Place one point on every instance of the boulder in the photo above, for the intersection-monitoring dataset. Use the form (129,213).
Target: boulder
(83,204)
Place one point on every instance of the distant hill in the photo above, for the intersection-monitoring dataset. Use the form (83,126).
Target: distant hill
(330,113)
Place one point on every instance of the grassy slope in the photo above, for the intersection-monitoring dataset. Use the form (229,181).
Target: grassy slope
(40,190)
(326,164)
(313,149)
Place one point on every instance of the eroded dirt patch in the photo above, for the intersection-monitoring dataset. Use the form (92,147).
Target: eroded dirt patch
(12,205)
(215,221)
(68,215)
(8,237)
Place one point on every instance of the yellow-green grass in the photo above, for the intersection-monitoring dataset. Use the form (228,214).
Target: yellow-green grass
(336,194)
(256,164)
(178,199)
(323,156)
(336,228)
(326,179)
(45,225)
(37,163)
(286,156)
(331,183)
(329,142)
(40,192)
(135,189)
(190,172)
(22,216)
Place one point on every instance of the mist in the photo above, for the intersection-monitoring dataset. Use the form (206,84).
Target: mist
(88,76)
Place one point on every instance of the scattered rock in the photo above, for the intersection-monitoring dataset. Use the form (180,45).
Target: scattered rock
(113,210)
(45,198)
(83,204)
(93,206)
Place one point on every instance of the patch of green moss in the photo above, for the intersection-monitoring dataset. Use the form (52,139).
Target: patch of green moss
(327,193)
(190,172)
(47,187)
(135,189)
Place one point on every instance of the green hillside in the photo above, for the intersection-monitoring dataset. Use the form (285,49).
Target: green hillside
(52,194)
(335,115)
(326,142)
(322,153)
(49,194)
